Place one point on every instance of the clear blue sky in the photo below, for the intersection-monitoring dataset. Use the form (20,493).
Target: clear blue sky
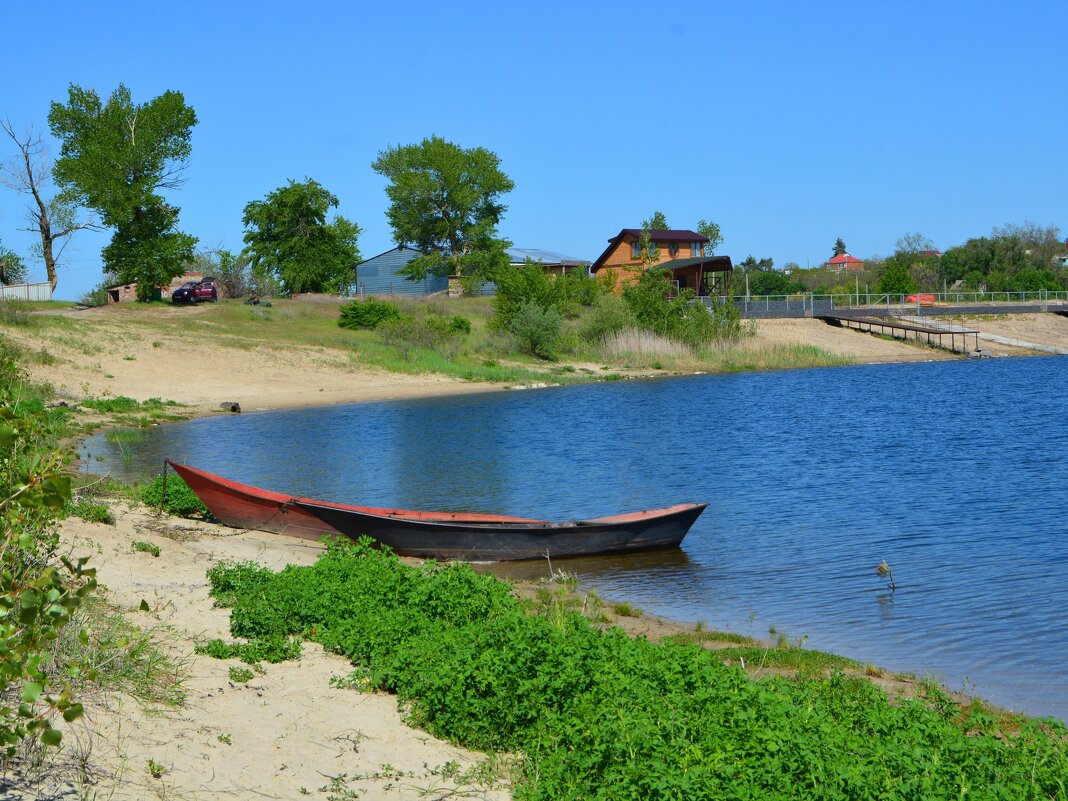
(790,124)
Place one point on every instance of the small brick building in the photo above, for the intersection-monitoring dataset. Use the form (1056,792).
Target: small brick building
(122,293)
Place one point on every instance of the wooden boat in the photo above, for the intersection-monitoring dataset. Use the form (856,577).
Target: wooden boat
(438,535)
(244,506)
(492,541)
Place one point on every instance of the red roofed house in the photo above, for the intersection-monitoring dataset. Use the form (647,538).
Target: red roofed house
(680,251)
(843,261)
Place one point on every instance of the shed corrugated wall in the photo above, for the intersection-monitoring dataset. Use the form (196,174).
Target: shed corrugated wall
(380,275)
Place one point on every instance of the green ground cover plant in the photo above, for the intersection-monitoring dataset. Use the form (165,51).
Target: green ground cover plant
(139,546)
(367,313)
(92,511)
(601,715)
(179,499)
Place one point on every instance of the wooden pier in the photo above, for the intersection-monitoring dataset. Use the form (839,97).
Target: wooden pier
(895,328)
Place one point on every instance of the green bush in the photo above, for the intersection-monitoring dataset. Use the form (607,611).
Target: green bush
(97,296)
(536,329)
(119,405)
(580,287)
(446,326)
(181,500)
(92,511)
(610,315)
(368,313)
(40,589)
(519,285)
(15,312)
(599,715)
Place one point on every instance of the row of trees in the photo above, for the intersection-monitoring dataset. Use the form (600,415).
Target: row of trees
(120,162)
(1013,258)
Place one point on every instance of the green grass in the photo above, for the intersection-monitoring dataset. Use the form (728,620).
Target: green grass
(92,511)
(124,436)
(139,546)
(116,655)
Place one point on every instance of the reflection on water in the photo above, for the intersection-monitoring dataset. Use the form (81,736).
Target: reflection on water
(952,472)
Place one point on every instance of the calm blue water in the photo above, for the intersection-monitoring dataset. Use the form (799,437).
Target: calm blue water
(953,472)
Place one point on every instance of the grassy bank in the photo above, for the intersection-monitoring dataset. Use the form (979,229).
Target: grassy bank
(483,355)
(596,714)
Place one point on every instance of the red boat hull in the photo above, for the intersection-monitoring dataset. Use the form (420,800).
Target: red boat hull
(243,506)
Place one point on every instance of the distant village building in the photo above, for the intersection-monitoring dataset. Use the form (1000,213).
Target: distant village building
(382,274)
(843,261)
(679,251)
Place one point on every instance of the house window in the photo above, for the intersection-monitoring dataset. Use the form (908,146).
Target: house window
(673,249)
(695,250)
(635,249)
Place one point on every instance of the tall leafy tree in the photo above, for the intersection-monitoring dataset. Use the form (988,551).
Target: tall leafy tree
(446,201)
(53,217)
(709,229)
(12,267)
(116,158)
(288,237)
(839,247)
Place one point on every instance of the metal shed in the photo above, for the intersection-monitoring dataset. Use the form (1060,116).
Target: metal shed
(380,275)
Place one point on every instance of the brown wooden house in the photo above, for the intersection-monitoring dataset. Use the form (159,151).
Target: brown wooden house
(679,252)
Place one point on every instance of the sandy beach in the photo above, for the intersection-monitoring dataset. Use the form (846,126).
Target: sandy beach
(110,353)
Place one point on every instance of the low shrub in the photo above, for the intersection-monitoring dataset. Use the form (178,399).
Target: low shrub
(119,405)
(92,511)
(536,329)
(610,315)
(367,313)
(446,326)
(180,500)
(139,546)
(15,312)
(97,296)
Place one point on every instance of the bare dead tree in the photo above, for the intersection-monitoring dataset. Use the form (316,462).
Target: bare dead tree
(54,218)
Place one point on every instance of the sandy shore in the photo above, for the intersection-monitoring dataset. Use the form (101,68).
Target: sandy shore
(281,734)
(109,354)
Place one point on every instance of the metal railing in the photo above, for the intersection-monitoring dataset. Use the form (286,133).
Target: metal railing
(806,303)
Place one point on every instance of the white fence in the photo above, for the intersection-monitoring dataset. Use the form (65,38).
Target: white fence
(39,291)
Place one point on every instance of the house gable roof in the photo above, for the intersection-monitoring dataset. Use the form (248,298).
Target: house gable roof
(656,234)
(844,258)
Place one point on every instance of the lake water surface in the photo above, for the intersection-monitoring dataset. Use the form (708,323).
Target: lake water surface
(953,472)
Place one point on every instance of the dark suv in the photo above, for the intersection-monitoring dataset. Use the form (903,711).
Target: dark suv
(196,292)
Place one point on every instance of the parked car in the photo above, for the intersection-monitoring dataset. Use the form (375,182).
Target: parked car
(186,293)
(206,291)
